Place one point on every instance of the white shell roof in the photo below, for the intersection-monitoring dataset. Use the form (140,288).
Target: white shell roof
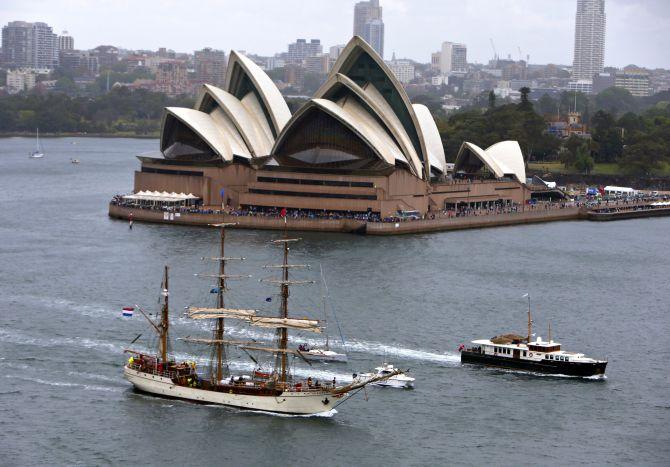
(205,127)
(352,120)
(509,157)
(272,98)
(363,118)
(503,158)
(358,44)
(253,130)
(431,137)
(376,102)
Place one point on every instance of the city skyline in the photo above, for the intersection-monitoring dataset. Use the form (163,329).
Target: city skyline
(635,29)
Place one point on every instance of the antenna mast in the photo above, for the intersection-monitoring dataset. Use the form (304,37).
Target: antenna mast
(530,321)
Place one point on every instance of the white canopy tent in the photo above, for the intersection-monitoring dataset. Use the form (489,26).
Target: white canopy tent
(620,190)
(162,198)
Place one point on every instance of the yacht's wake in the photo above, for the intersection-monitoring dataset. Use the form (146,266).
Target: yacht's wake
(547,375)
(329,414)
(87,387)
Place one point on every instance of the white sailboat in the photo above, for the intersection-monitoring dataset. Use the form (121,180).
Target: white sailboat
(38,153)
(323,354)
(274,390)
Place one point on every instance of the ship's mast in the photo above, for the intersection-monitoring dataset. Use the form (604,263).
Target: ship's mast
(283,339)
(164,325)
(218,333)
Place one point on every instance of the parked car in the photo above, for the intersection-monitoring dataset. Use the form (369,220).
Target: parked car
(409,215)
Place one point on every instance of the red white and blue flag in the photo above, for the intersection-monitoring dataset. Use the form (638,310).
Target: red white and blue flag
(128,311)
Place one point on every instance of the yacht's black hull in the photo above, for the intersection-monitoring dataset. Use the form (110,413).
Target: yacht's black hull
(543,366)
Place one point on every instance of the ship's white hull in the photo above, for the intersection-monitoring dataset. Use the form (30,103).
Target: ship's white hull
(395,383)
(289,402)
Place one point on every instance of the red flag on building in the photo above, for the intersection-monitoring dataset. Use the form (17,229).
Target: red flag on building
(283,212)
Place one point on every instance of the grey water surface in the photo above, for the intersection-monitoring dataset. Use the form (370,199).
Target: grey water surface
(66,270)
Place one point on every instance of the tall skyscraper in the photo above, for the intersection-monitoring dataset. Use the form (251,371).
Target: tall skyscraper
(374,35)
(453,58)
(29,45)
(589,39)
(369,25)
(65,41)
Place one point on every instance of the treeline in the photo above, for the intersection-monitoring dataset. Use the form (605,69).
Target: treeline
(485,127)
(120,111)
(638,143)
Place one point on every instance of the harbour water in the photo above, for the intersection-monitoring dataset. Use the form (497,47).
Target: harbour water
(66,270)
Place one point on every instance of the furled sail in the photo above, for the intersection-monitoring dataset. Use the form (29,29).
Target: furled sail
(293,323)
(211,313)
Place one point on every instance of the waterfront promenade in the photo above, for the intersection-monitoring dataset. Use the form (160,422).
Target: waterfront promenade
(351,225)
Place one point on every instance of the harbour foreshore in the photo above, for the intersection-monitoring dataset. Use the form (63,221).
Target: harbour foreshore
(351,225)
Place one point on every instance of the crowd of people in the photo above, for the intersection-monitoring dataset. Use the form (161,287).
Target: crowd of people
(261,211)
(457,211)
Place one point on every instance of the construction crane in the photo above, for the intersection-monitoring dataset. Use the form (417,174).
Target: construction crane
(495,52)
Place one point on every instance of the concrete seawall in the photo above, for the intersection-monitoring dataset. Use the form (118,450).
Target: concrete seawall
(628,214)
(473,222)
(351,225)
(244,222)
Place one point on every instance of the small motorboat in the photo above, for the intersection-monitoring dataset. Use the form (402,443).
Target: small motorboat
(399,381)
(75,161)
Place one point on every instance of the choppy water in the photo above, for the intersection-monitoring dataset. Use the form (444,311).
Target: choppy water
(66,270)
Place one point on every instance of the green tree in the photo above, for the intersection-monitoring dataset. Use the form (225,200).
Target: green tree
(572,147)
(644,157)
(525,104)
(584,162)
(616,101)
(546,105)
(492,99)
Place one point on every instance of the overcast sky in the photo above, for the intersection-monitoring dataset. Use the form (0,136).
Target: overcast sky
(638,31)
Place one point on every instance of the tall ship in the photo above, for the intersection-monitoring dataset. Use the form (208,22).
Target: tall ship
(521,353)
(276,389)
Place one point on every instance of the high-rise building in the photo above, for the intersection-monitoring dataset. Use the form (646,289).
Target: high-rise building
(335,51)
(20,80)
(65,41)
(374,35)
(29,45)
(435,60)
(453,58)
(636,81)
(108,56)
(172,78)
(365,13)
(589,39)
(301,49)
(402,69)
(319,64)
(210,66)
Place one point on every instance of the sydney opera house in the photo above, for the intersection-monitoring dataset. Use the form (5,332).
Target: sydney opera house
(359,145)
